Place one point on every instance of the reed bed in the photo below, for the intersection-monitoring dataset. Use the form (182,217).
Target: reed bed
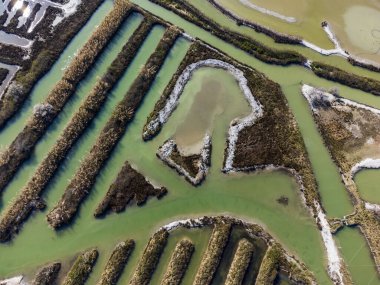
(47,275)
(82,268)
(82,182)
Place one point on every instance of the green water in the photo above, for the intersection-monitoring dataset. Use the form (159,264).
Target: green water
(367,181)
(252,196)
(357,256)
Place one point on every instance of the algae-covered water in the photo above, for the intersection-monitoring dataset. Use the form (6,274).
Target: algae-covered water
(250,196)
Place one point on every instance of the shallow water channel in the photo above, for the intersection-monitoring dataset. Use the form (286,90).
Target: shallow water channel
(250,196)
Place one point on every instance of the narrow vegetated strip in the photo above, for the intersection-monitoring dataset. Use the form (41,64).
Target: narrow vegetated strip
(354,81)
(178,263)
(116,263)
(82,182)
(29,199)
(82,268)
(249,45)
(213,254)
(44,114)
(269,266)
(150,258)
(129,185)
(264,53)
(47,275)
(44,54)
(240,263)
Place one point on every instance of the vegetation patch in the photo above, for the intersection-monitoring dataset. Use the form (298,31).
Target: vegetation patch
(249,45)
(129,185)
(338,75)
(82,268)
(82,182)
(150,258)
(3,74)
(44,114)
(240,263)
(178,263)
(30,196)
(47,275)
(116,263)
(212,256)
(193,167)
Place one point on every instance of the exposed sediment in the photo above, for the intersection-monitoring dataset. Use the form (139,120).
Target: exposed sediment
(30,196)
(178,263)
(85,177)
(81,269)
(116,263)
(213,254)
(129,185)
(193,167)
(23,145)
(47,275)
(7,73)
(240,263)
(150,258)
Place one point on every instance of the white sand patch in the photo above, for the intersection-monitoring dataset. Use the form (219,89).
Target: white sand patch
(18,280)
(249,4)
(12,72)
(334,262)
(368,163)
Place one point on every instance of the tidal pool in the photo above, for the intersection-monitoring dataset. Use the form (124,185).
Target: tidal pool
(367,181)
(211,95)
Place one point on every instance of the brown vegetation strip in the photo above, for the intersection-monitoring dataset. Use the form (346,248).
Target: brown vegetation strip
(354,81)
(44,114)
(29,198)
(249,45)
(129,185)
(150,258)
(213,254)
(240,263)
(44,54)
(178,263)
(269,267)
(116,263)
(123,114)
(82,268)
(3,75)
(47,275)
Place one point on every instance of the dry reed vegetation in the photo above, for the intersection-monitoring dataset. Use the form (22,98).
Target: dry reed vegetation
(150,258)
(47,275)
(116,263)
(25,203)
(23,145)
(129,185)
(43,55)
(240,263)
(213,254)
(82,182)
(178,263)
(82,268)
